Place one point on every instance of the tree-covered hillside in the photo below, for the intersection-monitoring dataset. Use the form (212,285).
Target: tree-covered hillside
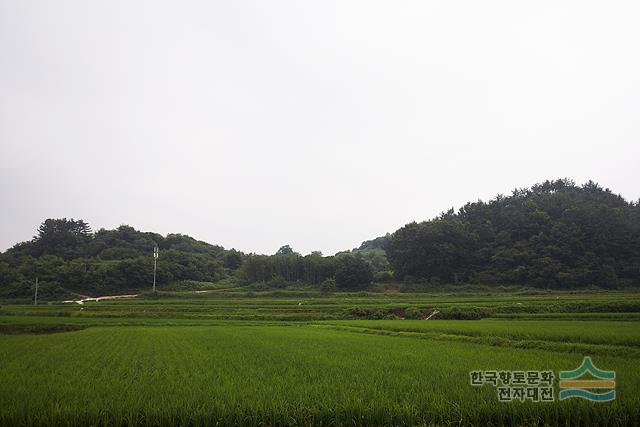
(67,257)
(555,234)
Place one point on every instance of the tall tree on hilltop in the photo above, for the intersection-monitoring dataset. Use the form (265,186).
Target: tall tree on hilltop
(61,237)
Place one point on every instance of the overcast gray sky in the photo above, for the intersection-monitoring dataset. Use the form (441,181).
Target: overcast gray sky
(319,124)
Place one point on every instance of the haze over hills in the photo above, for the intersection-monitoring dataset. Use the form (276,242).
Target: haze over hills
(553,235)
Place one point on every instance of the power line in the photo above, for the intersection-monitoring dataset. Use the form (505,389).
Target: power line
(155,264)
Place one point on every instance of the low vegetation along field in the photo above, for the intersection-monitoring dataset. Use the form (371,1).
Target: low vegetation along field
(229,357)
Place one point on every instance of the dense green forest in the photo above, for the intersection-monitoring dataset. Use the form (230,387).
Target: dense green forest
(69,259)
(67,256)
(554,235)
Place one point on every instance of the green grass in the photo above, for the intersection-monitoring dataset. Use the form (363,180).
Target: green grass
(567,331)
(304,361)
(293,306)
(275,375)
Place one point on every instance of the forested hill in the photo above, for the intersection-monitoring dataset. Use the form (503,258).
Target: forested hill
(555,234)
(552,235)
(67,256)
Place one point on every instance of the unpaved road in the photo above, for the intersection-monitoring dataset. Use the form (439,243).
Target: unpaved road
(82,301)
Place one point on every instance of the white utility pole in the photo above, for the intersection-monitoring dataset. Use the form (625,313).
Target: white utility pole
(155,264)
(35,299)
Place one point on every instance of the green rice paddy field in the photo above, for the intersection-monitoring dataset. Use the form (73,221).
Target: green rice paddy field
(300,358)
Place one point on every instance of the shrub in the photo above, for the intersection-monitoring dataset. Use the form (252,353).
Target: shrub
(353,273)
(329,285)
(383,277)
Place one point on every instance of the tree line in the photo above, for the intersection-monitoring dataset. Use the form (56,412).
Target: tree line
(553,235)
(344,271)
(69,258)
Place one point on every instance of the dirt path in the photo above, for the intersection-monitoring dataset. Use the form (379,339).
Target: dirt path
(432,314)
(109,297)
